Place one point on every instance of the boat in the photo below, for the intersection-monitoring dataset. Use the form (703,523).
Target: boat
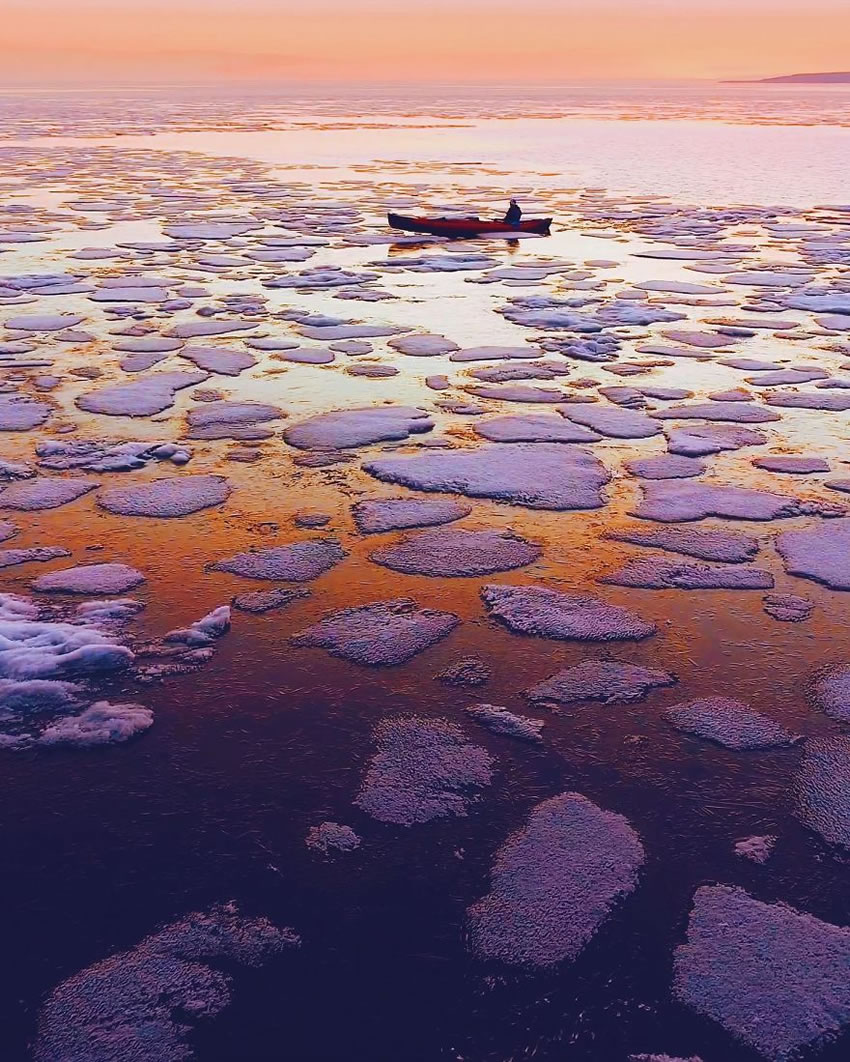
(465,227)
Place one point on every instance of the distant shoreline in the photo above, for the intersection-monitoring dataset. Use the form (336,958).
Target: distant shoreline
(840,77)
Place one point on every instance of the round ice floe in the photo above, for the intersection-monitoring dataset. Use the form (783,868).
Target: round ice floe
(834,401)
(423,769)
(9,558)
(91,579)
(787,376)
(152,344)
(536,475)
(332,837)
(467,671)
(238,420)
(707,340)
(379,634)
(699,440)
(210,230)
(533,427)
(451,551)
(195,329)
(101,723)
(518,393)
(671,500)
(18,413)
(177,496)
(347,428)
(259,601)
(771,976)
(728,722)
(741,412)
(659,573)
(387,514)
(612,421)
(219,360)
(554,882)
(144,1003)
(142,397)
(297,563)
(600,680)
(499,720)
(729,546)
(548,613)
(42,493)
(423,346)
(665,466)
(757,849)
(821,553)
(800,466)
(44,322)
(494,353)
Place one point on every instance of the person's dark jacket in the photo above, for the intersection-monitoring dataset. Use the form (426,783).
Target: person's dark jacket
(513,215)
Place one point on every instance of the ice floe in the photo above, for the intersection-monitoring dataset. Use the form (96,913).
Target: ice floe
(549,613)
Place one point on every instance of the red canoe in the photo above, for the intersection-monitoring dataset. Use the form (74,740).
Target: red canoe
(460,227)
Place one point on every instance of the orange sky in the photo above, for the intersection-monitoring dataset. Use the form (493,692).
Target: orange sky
(62,40)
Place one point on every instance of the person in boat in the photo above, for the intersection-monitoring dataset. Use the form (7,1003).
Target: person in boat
(514,213)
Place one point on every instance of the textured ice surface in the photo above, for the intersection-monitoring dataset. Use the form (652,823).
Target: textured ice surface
(821,553)
(141,1005)
(730,546)
(142,397)
(788,607)
(758,849)
(91,579)
(600,680)
(423,769)
(454,551)
(554,882)
(102,455)
(467,671)
(672,500)
(332,837)
(33,495)
(831,692)
(552,614)
(380,633)
(166,498)
(536,475)
(501,721)
(387,514)
(660,573)
(297,563)
(822,789)
(771,976)
(347,428)
(728,722)
(43,322)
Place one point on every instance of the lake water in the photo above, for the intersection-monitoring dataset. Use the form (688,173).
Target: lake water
(689,223)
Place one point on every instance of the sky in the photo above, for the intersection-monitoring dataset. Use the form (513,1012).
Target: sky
(69,41)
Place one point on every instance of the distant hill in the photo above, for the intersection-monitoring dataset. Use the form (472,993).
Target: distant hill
(839,77)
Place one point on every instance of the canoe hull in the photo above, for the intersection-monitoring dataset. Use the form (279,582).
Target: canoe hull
(465,227)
